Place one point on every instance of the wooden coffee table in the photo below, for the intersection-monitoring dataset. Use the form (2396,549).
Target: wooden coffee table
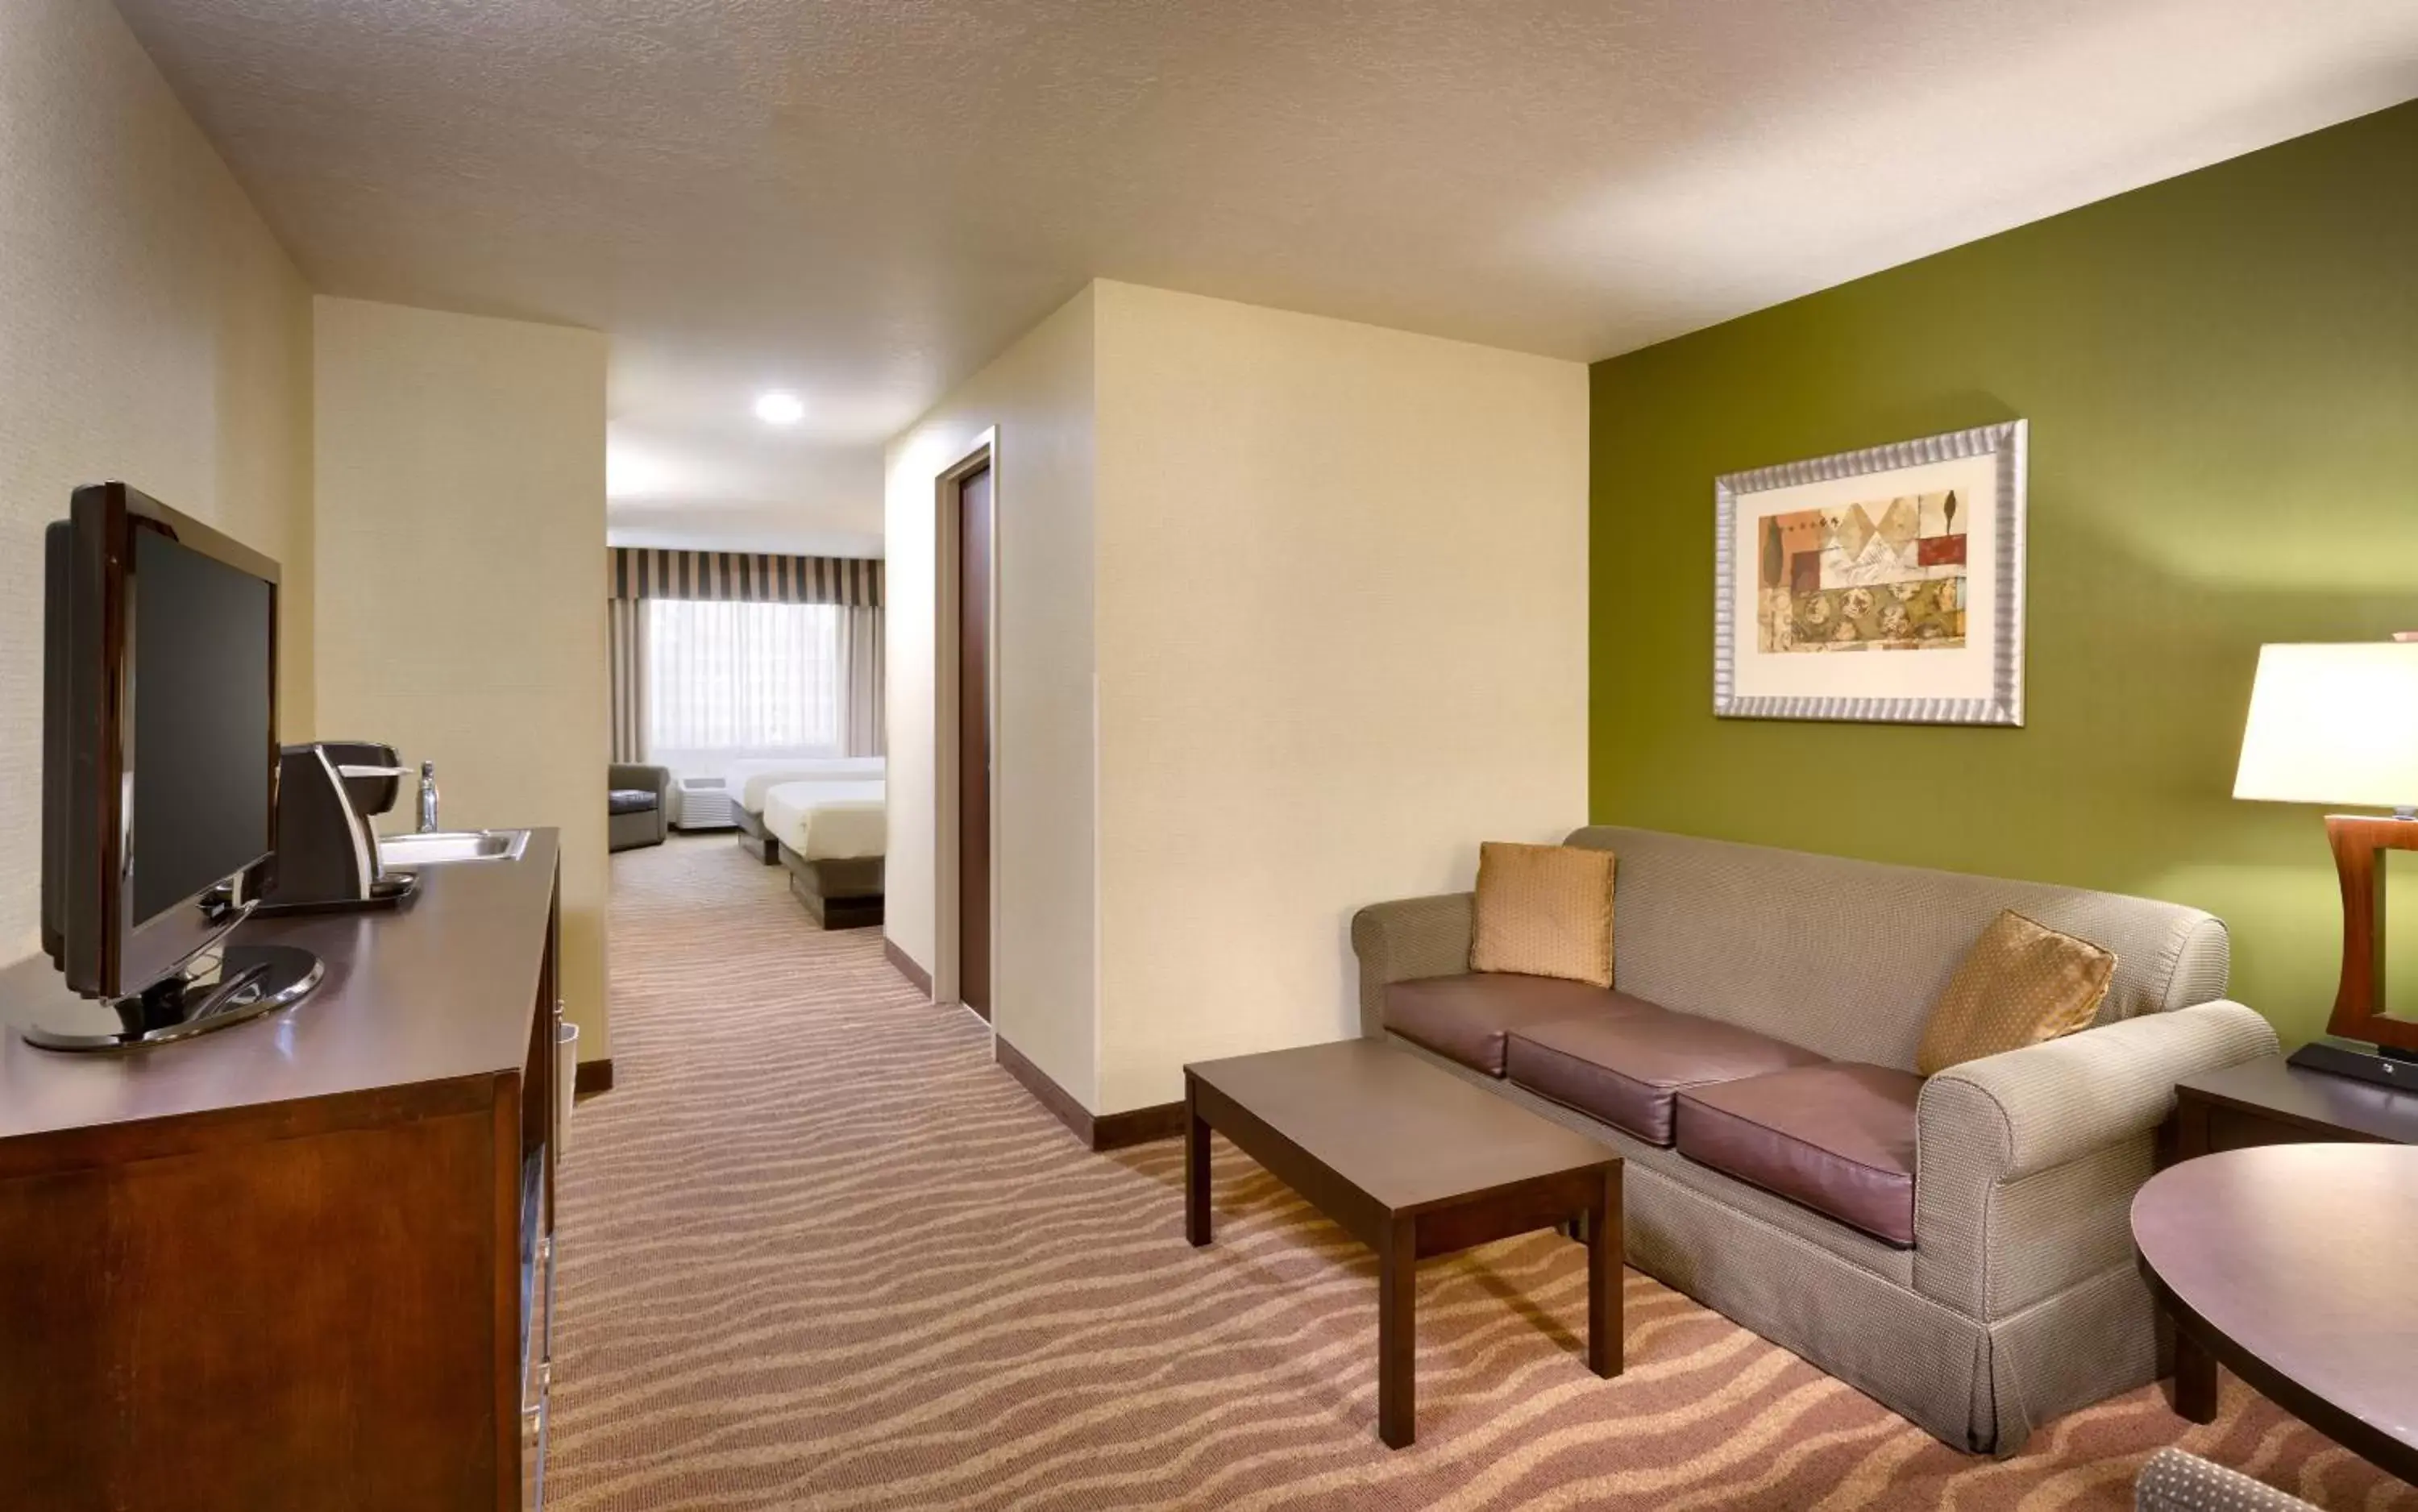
(1412,1161)
(2290,1264)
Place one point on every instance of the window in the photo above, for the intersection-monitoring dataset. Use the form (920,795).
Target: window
(731,681)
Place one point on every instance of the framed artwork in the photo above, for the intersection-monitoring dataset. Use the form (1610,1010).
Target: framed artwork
(1882,584)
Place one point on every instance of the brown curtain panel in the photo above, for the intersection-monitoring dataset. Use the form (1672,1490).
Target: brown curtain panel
(626,628)
(854,584)
(749,578)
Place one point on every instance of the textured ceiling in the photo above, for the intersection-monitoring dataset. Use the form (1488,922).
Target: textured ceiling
(861,200)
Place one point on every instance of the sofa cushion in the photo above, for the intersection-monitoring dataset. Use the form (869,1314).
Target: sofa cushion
(1837,1137)
(1466,1016)
(1625,1068)
(1542,911)
(631,801)
(2021,984)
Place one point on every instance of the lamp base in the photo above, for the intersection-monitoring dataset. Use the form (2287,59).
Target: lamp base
(2359,842)
(2382,1064)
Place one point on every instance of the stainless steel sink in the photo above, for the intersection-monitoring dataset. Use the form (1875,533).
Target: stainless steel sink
(443,848)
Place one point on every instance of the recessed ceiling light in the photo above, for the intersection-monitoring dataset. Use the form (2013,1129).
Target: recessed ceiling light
(778,409)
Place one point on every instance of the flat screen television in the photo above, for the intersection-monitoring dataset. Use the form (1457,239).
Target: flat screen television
(160,761)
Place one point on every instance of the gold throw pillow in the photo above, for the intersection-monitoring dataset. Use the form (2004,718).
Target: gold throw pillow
(1543,911)
(2022,983)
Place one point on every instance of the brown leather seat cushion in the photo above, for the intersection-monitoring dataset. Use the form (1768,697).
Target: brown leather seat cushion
(1837,1137)
(1626,1067)
(1466,1016)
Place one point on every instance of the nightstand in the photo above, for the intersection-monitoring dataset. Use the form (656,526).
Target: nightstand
(2269,1102)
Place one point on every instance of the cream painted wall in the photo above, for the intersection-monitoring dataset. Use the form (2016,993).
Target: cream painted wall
(151,330)
(1293,614)
(1036,400)
(1343,625)
(461,579)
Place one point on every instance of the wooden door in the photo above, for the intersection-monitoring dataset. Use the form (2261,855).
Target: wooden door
(976,542)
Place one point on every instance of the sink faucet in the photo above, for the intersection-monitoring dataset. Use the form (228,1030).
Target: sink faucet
(428,797)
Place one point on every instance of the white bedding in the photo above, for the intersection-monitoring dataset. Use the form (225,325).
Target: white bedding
(749,781)
(828,820)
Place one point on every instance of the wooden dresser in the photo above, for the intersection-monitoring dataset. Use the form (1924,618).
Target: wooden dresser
(305,1262)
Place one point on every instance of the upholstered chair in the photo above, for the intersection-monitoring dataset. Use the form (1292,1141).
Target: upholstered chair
(639,805)
(2174,1481)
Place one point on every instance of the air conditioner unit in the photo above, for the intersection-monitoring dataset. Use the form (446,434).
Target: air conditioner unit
(701,803)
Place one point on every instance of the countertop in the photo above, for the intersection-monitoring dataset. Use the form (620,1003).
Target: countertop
(442,989)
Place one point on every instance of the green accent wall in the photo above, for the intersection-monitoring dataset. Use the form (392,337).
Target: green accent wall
(2221,373)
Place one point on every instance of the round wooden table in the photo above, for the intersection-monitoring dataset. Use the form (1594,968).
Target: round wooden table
(2296,1267)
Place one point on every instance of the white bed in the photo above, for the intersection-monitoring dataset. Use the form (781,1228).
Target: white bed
(749,781)
(831,835)
(820,821)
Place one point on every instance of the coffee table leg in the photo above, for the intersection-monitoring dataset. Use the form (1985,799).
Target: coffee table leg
(2195,1381)
(2188,1137)
(1398,1264)
(1196,1169)
(1605,1344)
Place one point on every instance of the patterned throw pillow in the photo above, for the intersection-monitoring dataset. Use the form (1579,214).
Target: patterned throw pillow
(1543,911)
(2022,983)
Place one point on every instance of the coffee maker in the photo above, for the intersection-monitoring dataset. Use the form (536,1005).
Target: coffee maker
(327,861)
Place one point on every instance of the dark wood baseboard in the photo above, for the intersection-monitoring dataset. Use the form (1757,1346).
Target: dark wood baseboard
(1105,1131)
(906,967)
(1060,1102)
(1136,1125)
(593,1076)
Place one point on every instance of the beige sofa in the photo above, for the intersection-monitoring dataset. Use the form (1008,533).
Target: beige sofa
(1958,1248)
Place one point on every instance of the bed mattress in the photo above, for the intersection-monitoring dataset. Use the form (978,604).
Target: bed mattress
(828,820)
(750,780)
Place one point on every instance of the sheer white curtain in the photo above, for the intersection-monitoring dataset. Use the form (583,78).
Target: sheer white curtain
(727,681)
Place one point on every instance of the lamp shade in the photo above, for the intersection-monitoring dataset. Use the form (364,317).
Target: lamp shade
(2332,724)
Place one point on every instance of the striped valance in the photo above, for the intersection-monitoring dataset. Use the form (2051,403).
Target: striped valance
(750,577)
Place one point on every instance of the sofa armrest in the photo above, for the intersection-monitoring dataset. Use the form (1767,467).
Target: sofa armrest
(2026,1110)
(2049,1104)
(1402,940)
(641,774)
(2027,1162)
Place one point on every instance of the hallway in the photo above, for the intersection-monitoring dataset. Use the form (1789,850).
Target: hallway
(820,1252)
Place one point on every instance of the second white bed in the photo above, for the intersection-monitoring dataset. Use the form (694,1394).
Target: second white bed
(828,820)
(752,780)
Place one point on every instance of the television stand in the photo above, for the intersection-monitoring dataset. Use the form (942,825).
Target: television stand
(224,985)
(310,1265)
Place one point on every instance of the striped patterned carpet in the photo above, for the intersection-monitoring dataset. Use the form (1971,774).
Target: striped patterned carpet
(820,1252)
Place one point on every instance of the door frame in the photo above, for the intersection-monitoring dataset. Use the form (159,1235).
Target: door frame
(947,743)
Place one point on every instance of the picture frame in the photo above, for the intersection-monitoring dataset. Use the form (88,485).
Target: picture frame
(1884,585)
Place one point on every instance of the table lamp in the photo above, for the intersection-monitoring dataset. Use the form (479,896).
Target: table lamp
(2339,724)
